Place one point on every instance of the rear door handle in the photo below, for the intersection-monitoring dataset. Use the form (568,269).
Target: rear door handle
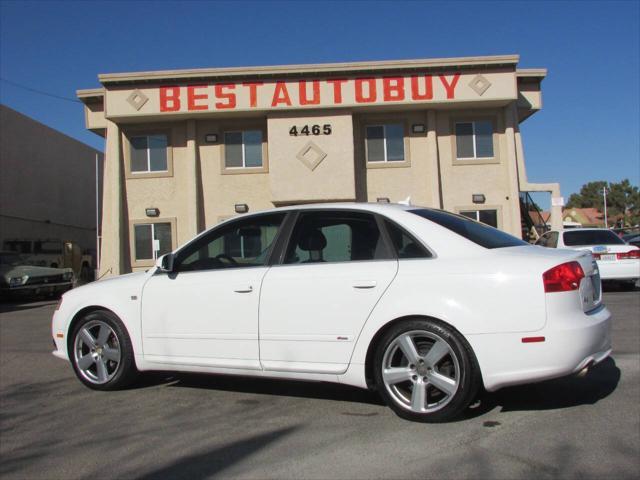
(365,284)
(243,289)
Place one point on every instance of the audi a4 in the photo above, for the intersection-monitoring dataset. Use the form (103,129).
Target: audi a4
(424,306)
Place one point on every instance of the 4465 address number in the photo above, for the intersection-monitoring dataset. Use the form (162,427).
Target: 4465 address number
(310,130)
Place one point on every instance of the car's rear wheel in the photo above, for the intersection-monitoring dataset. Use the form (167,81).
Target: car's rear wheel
(425,371)
(101,352)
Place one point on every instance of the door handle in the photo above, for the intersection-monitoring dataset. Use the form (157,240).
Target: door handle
(243,289)
(365,284)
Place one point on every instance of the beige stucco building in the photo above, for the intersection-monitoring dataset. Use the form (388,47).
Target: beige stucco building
(185,147)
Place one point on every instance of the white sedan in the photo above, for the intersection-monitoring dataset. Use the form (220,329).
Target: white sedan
(425,306)
(616,259)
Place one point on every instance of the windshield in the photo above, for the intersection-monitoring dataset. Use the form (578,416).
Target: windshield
(479,233)
(591,237)
(11,259)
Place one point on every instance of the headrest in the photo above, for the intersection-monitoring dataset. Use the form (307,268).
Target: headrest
(312,240)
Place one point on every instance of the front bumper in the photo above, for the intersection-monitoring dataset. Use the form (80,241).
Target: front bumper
(570,344)
(37,289)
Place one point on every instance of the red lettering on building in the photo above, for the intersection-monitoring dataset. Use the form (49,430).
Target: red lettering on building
(428,87)
(230,97)
(371,90)
(253,93)
(450,87)
(169,99)
(193,97)
(302,89)
(337,89)
(393,89)
(280,95)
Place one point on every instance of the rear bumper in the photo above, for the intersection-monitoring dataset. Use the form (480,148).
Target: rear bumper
(571,343)
(620,270)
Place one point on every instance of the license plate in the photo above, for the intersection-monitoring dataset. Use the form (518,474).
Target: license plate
(608,257)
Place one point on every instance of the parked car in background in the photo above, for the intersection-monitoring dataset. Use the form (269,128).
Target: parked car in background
(18,278)
(632,239)
(53,253)
(423,305)
(617,260)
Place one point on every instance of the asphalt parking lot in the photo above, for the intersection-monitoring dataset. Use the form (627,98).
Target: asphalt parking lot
(201,426)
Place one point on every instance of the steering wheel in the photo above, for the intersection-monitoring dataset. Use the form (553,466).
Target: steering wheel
(224,256)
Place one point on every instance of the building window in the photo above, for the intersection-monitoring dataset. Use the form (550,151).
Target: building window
(243,149)
(149,153)
(489,217)
(151,240)
(474,139)
(385,143)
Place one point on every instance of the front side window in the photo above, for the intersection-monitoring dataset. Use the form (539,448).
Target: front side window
(489,217)
(244,243)
(385,143)
(474,139)
(320,237)
(243,149)
(148,153)
(151,240)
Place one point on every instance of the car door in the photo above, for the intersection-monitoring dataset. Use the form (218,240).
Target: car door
(336,266)
(205,312)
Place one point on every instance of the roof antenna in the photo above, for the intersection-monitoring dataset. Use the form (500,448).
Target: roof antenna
(406,201)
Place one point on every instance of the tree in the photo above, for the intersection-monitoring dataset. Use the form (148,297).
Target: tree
(623,199)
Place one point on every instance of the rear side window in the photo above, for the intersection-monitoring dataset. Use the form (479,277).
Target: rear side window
(405,245)
(479,233)
(335,236)
(591,237)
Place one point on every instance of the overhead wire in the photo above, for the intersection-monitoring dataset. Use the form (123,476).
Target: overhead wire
(40,92)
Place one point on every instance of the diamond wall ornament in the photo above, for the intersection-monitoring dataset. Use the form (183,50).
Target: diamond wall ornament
(137,99)
(311,155)
(479,84)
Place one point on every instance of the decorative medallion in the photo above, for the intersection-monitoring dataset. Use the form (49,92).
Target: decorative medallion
(311,155)
(137,99)
(479,84)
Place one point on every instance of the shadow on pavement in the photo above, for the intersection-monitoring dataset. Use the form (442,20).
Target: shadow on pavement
(598,383)
(211,462)
(263,386)
(16,306)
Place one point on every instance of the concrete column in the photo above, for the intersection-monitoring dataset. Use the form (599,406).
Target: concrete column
(434,160)
(513,226)
(190,224)
(111,261)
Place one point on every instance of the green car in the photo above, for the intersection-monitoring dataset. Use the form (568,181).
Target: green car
(18,278)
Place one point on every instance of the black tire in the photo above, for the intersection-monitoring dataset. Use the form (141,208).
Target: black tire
(459,364)
(118,374)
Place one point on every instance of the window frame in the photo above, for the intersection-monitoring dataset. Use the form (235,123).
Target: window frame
(131,133)
(472,117)
(145,262)
(381,120)
(242,128)
(384,139)
(478,210)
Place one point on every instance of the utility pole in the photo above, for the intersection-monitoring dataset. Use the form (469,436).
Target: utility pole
(604,193)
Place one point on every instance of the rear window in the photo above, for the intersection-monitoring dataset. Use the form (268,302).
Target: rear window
(591,237)
(479,233)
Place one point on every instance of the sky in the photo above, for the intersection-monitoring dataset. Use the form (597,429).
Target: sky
(588,129)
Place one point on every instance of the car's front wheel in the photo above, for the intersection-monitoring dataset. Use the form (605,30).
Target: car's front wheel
(425,371)
(101,353)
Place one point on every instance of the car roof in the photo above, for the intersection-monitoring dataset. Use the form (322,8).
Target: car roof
(365,206)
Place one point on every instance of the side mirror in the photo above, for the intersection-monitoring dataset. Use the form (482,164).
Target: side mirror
(165,263)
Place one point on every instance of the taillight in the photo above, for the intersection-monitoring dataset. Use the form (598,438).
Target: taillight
(563,278)
(629,255)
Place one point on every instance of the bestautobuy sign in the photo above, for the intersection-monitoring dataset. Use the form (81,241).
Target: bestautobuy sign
(311,93)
